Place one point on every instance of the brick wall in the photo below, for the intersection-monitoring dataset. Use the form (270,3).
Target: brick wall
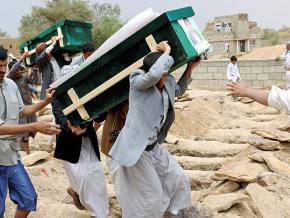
(259,73)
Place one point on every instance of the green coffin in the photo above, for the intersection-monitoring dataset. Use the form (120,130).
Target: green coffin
(74,35)
(97,72)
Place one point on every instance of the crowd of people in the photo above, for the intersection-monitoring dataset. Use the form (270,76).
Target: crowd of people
(160,177)
(148,180)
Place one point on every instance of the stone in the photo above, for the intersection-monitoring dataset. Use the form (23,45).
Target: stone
(226,215)
(264,118)
(268,178)
(264,144)
(265,203)
(244,209)
(184,97)
(224,202)
(200,163)
(268,111)
(199,179)
(285,126)
(196,210)
(225,187)
(181,105)
(277,165)
(273,134)
(32,158)
(240,171)
(206,148)
(111,191)
(170,139)
(115,210)
(256,156)
(39,143)
(246,100)
(231,136)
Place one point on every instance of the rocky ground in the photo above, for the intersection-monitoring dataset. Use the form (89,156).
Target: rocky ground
(236,154)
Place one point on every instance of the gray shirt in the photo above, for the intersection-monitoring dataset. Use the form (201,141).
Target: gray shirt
(78,60)
(11,106)
(165,99)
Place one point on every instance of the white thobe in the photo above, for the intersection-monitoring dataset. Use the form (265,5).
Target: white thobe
(155,184)
(233,73)
(287,68)
(279,99)
(87,179)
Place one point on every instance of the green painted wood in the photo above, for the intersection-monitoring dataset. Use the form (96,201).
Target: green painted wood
(165,27)
(75,34)
(179,14)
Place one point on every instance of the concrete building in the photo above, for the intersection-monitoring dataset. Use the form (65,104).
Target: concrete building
(233,34)
(11,44)
(284,35)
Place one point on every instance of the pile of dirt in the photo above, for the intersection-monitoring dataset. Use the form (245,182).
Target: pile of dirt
(264,53)
(195,119)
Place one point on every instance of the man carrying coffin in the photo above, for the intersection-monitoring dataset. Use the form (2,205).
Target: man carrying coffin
(78,147)
(151,180)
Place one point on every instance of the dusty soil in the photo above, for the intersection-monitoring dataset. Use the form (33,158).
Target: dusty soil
(212,131)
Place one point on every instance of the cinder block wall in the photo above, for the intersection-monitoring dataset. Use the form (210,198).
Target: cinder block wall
(211,75)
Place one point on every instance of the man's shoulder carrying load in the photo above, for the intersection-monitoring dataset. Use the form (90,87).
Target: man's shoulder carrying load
(71,35)
(101,82)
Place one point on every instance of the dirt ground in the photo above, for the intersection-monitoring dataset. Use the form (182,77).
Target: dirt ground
(270,52)
(210,132)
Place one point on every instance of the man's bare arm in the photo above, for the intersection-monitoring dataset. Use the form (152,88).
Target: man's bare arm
(31,109)
(42,127)
(241,90)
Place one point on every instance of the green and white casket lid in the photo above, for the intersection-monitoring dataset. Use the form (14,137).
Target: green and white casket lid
(96,74)
(74,34)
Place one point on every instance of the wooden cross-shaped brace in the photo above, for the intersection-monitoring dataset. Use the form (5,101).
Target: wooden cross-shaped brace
(78,103)
(59,38)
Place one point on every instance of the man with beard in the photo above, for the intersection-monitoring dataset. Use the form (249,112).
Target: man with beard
(13,176)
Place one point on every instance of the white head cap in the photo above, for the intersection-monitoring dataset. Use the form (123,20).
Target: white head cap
(288,43)
(11,56)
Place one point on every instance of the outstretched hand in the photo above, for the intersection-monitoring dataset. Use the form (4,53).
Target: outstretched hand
(237,89)
(77,130)
(47,128)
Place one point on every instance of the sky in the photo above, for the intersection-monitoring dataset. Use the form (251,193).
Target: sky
(267,13)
